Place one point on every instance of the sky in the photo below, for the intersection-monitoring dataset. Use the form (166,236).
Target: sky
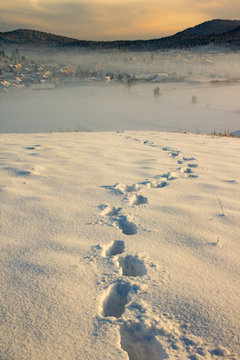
(113,19)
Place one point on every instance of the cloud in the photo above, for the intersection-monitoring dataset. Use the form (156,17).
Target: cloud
(224,9)
(113,19)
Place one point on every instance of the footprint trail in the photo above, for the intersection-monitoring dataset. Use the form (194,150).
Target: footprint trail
(143,337)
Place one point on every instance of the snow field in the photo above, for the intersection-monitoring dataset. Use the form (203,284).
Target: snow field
(119,245)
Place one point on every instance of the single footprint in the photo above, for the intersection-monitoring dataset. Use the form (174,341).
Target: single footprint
(138,200)
(115,248)
(156,184)
(33,147)
(193,176)
(117,189)
(193,165)
(131,188)
(126,225)
(189,158)
(17,172)
(116,299)
(172,175)
(186,170)
(140,342)
(132,266)
(109,210)
(175,153)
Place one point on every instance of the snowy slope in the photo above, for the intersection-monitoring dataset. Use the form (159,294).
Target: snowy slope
(119,245)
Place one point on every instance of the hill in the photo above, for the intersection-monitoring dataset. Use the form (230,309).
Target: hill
(34,37)
(216,32)
(212,27)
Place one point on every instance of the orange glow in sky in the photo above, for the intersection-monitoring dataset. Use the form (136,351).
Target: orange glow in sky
(113,19)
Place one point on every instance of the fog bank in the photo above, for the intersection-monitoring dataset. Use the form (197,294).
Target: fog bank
(111,107)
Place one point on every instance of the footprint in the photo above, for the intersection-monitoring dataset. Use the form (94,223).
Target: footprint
(116,247)
(17,172)
(140,342)
(33,147)
(157,184)
(193,176)
(233,181)
(138,200)
(219,351)
(150,143)
(193,165)
(123,222)
(120,189)
(185,170)
(115,301)
(109,210)
(117,189)
(130,188)
(188,171)
(172,175)
(175,153)
(189,158)
(132,266)
(126,225)
(30,148)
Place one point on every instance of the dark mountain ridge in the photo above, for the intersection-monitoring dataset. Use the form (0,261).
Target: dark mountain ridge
(216,32)
(212,27)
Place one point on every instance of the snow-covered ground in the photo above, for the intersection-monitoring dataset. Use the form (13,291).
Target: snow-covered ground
(121,245)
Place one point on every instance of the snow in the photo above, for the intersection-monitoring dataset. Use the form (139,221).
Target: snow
(121,244)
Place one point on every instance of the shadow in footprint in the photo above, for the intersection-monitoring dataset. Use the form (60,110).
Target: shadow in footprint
(140,342)
(161,185)
(193,176)
(175,153)
(188,171)
(131,188)
(139,200)
(115,301)
(189,158)
(156,184)
(108,210)
(116,247)
(17,172)
(116,189)
(132,266)
(127,227)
